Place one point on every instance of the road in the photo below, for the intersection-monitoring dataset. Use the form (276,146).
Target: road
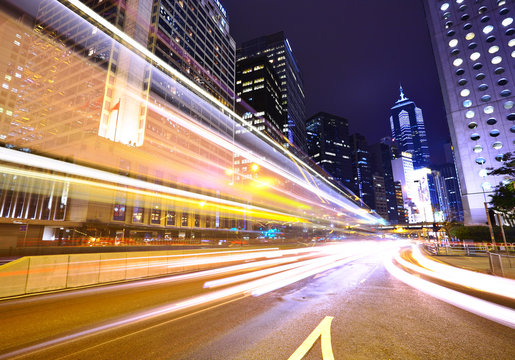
(375,316)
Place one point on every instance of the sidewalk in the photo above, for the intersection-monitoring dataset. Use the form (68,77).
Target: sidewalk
(477,263)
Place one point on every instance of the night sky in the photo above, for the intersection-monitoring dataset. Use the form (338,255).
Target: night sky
(353,54)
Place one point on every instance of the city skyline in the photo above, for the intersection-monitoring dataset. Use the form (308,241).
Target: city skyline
(351,77)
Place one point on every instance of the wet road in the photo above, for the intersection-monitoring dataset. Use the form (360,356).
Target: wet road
(375,316)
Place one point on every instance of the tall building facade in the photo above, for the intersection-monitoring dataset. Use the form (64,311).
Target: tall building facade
(259,95)
(328,145)
(362,170)
(408,130)
(278,50)
(381,159)
(473,45)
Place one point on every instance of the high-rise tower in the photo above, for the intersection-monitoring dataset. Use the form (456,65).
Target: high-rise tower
(278,50)
(408,130)
(473,46)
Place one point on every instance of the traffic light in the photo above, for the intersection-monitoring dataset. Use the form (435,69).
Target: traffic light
(436,226)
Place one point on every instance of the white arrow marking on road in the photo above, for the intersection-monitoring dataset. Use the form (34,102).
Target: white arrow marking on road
(323,330)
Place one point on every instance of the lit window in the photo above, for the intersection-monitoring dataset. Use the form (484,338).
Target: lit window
(8,77)
(16,42)
(474,56)
(488,29)
(507,21)
(18,75)
(5,86)
(497,145)
(465,92)
(444,6)
(493,49)
(513,54)
(459,1)
(457,62)
(511,43)
(501,2)
(496,60)
(508,105)
(470,36)
(483,173)
(470,114)
(477,149)
(8,113)
(467,103)
(453,42)
(488,109)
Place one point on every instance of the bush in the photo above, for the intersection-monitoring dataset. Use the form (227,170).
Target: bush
(482,233)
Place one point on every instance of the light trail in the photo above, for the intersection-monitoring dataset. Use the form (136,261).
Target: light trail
(498,313)
(333,256)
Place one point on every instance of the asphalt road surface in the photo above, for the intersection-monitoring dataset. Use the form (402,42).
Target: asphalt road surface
(375,316)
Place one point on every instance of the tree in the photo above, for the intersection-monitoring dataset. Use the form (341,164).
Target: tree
(503,200)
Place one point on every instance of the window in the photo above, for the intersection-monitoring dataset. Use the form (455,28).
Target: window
(453,43)
(470,36)
(505,93)
(480,76)
(472,125)
(493,49)
(488,29)
(444,6)
(499,70)
(467,103)
(480,160)
(485,98)
(497,145)
(494,133)
(488,109)
(457,62)
(482,87)
(496,60)
(507,22)
(477,149)
(502,81)
(491,121)
(508,104)
(474,56)
(465,92)
(470,114)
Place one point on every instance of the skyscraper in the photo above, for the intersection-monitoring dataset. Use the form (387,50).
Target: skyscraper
(362,170)
(408,130)
(259,95)
(278,50)
(328,146)
(381,157)
(473,46)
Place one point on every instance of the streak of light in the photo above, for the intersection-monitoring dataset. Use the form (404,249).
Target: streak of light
(474,280)
(486,309)
(255,287)
(169,193)
(192,85)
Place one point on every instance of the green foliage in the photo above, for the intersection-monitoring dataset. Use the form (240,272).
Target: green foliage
(482,233)
(503,200)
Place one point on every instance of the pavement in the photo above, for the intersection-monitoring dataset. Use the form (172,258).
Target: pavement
(375,316)
(479,263)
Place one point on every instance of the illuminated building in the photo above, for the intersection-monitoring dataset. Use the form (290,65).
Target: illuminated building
(381,157)
(115,146)
(474,49)
(401,212)
(329,146)
(408,130)
(278,50)
(362,169)
(259,95)
(380,201)
(415,189)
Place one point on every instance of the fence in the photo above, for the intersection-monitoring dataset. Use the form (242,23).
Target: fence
(500,262)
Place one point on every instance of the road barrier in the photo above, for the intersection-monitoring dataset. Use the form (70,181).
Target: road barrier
(35,274)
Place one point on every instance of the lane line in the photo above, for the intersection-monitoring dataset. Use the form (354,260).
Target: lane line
(323,330)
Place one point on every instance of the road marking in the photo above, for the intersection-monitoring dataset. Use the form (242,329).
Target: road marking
(323,330)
